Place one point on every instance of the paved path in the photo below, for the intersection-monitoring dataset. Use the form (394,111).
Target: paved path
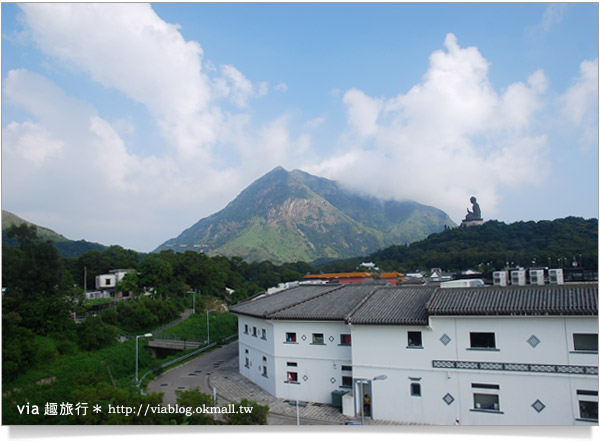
(219,369)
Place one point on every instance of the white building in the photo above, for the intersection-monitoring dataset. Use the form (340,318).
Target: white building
(488,355)
(106,283)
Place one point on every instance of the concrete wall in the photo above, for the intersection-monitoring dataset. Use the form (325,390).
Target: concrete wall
(383,350)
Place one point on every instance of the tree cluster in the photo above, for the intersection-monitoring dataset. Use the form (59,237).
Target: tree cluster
(492,246)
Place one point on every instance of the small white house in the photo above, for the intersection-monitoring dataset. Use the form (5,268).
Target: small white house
(107,282)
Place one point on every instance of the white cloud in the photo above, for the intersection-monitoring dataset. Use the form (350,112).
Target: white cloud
(553,15)
(237,87)
(315,123)
(362,112)
(579,104)
(281,87)
(449,137)
(31,141)
(128,47)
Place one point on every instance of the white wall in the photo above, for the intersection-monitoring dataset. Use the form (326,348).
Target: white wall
(256,349)
(383,350)
(319,366)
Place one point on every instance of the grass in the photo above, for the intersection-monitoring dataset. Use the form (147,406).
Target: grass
(194,328)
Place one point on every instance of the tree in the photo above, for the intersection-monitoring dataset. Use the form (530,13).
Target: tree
(251,413)
(35,282)
(192,399)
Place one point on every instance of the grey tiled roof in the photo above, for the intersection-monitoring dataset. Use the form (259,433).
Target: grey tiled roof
(368,304)
(264,306)
(516,301)
(394,306)
(334,305)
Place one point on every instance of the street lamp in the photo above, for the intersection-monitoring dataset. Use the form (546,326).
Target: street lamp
(208,325)
(363,381)
(147,335)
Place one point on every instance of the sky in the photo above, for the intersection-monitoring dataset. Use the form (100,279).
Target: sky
(127,123)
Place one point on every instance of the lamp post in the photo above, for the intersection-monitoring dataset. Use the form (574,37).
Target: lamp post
(208,325)
(363,381)
(147,335)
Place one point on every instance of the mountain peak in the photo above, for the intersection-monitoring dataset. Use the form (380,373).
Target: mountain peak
(288,217)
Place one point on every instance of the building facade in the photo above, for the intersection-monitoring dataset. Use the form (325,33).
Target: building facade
(490,355)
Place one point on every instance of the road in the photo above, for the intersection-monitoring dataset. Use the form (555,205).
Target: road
(192,374)
(222,364)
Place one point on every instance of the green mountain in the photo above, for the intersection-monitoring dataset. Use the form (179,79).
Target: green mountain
(294,216)
(66,247)
(492,246)
(9,219)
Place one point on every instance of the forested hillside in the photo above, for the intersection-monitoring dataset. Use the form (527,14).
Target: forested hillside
(492,246)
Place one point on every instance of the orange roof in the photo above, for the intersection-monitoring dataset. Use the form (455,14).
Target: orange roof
(393,274)
(337,275)
(356,274)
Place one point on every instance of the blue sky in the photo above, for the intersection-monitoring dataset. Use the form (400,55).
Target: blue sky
(126,123)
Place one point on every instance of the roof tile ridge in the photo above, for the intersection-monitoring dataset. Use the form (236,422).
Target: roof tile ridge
(348,317)
(430,300)
(265,314)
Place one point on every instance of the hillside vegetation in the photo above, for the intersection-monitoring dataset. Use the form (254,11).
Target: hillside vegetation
(492,246)
(294,216)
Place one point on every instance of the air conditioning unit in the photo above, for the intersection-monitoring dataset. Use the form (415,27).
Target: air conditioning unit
(517,277)
(500,278)
(536,277)
(555,276)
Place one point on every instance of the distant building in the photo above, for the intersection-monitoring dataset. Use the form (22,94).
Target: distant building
(517,355)
(355,277)
(106,284)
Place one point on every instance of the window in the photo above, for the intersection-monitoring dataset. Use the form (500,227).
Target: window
(292,377)
(585,342)
(483,340)
(486,401)
(486,386)
(318,338)
(106,281)
(264,366)
(247,362)
(415,339)
(246,328)
(264,334)
(415,389)
(290,337)
(345,339)
(246,351)
(292,364)
(346,368)
(346,381)
(253,331)
(588,410)
(588,405)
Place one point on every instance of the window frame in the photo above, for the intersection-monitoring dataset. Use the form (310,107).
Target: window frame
(408,339)
(347,378)
(415,389)
(586,397)
(579,349)
(480,347)
(315,336)
(346,335)
(288,335)
(481,407)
